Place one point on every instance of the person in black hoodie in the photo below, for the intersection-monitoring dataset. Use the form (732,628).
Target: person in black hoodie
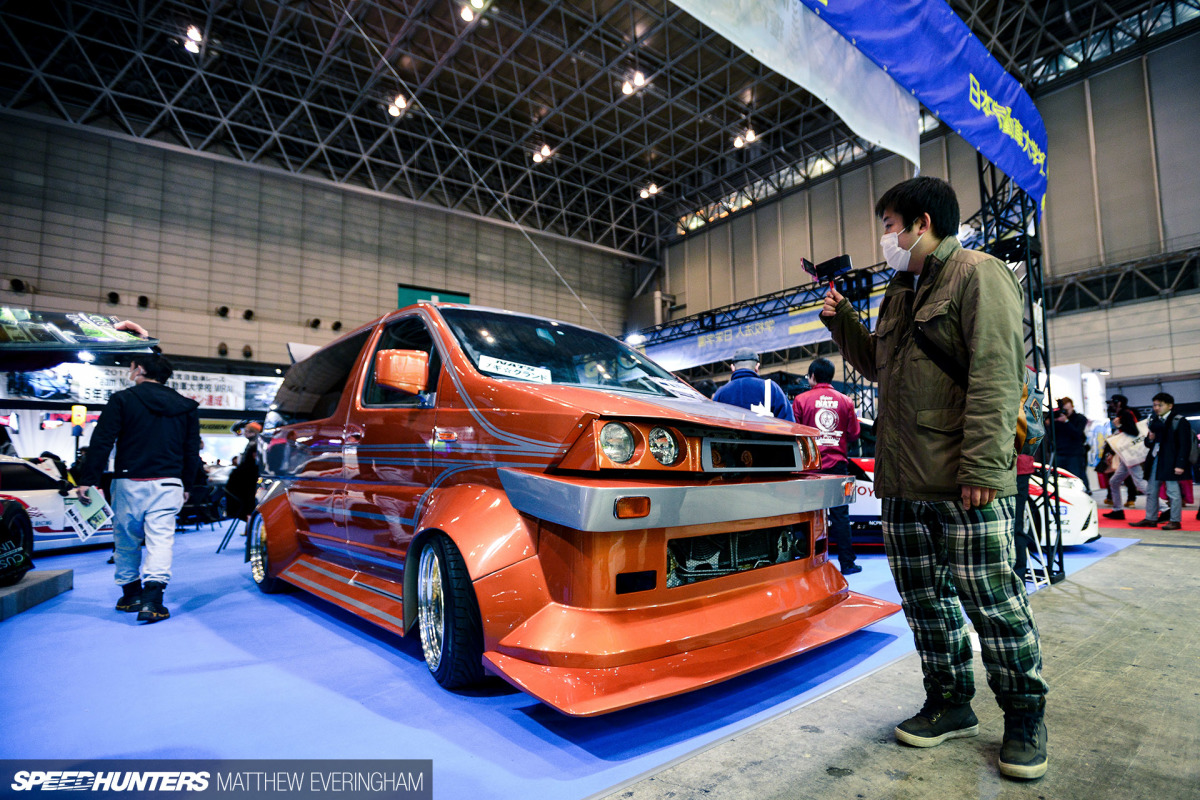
(157,434)
(1170,438)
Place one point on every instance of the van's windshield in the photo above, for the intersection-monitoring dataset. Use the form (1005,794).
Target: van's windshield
(540,351)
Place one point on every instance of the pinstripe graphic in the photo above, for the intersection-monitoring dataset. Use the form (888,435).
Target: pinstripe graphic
(321,589)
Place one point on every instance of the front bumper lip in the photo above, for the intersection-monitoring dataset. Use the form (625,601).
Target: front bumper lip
(586,504)
(580,691)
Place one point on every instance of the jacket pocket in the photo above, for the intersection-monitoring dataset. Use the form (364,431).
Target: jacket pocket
(937,450)
(944,420)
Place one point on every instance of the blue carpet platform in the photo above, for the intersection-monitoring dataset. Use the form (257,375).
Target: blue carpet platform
(238,674)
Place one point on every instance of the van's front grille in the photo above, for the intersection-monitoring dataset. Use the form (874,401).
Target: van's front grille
(749,455)
(701,558)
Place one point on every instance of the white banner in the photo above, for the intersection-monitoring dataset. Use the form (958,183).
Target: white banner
(92,385)
(793,41)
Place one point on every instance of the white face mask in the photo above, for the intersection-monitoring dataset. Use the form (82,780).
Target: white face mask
(896,256)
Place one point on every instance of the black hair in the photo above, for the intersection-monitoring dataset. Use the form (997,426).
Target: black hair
(1120,398)
(1163,397)
(822,370)
(924,195)
(157,368)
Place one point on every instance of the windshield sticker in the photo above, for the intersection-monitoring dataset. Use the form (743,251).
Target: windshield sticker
(512,369)
(679,388)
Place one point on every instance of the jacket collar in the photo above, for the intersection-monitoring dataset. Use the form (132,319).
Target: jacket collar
(934,263)
(743,373)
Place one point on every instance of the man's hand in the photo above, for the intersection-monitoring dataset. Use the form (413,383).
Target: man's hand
(832,298)
(82,493)
(132,327)
(1179,470)
(976,496)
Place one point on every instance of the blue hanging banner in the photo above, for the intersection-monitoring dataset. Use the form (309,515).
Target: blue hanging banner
(930,51)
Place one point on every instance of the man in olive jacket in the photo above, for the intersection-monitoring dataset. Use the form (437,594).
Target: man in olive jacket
(945,466)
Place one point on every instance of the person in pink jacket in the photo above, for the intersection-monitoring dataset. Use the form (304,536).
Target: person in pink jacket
(832,414)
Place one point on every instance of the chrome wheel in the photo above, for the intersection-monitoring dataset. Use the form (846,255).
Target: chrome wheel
(258,551)
(431,605)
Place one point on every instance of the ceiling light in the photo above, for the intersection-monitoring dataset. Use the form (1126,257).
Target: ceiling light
(639,79)
(478,4)
(627,88)
(739,142)
(394,110)
(193,33)
(750,135)
(467,14)
(546,150)
(191,46)
(653,188)
(644,193)
(538,158)
(400,101)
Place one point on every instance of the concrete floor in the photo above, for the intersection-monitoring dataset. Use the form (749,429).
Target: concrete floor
(1121,642)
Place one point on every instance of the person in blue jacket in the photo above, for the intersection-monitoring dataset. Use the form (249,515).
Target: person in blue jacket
(746,389)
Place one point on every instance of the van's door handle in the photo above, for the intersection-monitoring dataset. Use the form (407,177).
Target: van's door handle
(352,436)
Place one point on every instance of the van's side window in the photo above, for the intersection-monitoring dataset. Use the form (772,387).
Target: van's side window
(409,333)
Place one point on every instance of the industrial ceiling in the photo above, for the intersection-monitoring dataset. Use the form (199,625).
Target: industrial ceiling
(521,113)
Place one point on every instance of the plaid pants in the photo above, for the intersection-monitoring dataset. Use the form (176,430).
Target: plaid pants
(940,554)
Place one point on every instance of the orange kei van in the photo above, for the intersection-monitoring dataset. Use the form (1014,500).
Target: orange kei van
(543,502)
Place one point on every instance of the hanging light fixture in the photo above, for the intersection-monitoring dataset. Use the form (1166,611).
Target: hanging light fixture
(739,142)
(467,14)
(750,135)
(627,88)
(538,158)
(546,150)
(639,79)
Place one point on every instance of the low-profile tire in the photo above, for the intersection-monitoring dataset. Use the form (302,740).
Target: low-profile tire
(260,568)
(448,615)
(16,525)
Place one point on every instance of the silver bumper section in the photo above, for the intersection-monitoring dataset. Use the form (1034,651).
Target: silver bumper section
(592,508)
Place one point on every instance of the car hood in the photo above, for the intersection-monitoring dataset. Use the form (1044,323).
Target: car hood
(682,408)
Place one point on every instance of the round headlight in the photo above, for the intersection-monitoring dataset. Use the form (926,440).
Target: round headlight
(617,442)
(663,445)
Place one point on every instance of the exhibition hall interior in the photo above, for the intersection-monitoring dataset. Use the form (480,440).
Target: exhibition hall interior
(632,399)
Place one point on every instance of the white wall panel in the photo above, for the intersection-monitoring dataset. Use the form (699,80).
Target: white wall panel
(720,266)
(82,214)
(1125,176)
(769,251)
(794,233)
(1175,100)
(859,233)
(826,227)
(744,258)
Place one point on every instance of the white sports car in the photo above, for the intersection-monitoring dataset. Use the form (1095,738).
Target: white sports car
(1075,507)
(40,495)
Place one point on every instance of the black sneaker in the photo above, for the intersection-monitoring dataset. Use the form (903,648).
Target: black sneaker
(1114,515)
(1023,754)
(851,569)
(936,722)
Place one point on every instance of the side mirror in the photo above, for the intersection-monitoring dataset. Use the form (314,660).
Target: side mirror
(404,370)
